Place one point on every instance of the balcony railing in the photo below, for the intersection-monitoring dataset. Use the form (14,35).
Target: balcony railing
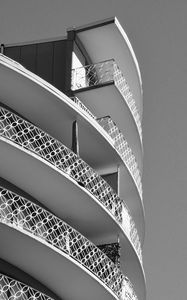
(134,237)
(93,75)
(23,215)
(11,289)
(120,143)
(82,107)
(30,137)
(102,73)
(129,292)
(131,231)
(43,145)
(123,149)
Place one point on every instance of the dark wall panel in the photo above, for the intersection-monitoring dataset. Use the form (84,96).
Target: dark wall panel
(28,57)
(59,68)
(44,61)
(49,60)
(13,52)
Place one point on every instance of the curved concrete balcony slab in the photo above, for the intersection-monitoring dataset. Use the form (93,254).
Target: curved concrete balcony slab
(101,74)
(123,150)
(107,40)
(26,135)
(56,177)
(17,277)
(13,289)
(54,112)
(33,225)
(104,91)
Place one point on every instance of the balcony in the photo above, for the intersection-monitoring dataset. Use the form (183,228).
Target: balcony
(37,223)
(101,41)
(46,169)
(118,141)
(23,91)
(123,149)
(106,72)
(102,88)
(24,134)
(13,289)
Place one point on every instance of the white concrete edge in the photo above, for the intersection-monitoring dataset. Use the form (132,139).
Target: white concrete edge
(23,283)
(62,97)
(61,252)
(126,103)
(106,22)
(15,66)
(74,182)
(123,33)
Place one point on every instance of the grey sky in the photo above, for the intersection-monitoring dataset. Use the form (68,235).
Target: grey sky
(158,32)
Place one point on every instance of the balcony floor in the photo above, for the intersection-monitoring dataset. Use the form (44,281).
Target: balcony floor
(68,201)
(106,100)
(58,272)
(52,111)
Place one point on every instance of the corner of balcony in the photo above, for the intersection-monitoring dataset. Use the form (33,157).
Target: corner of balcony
(105,40)
(103,89)
(100,75)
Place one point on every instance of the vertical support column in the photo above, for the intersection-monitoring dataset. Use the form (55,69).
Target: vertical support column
(75,138)
(2,48)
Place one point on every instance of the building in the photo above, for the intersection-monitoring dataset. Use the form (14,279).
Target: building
(71,210)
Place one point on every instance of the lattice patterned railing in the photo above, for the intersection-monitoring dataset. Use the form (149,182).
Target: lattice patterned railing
(24,215)
(11,289)
(92,75)
(131,231)
(129,159)
(82,107)
(103,72)
(124,89)
(120,144)
(34,139)
(123,149)
(129,292)
(135,239)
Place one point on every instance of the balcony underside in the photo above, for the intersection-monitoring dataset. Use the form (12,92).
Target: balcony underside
(52,111)
(57,271)
(107,40)
(69,201)
(106,100)
(129,266)
(56,190)
(19,276)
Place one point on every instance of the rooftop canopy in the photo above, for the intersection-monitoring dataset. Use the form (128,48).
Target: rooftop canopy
(106,40)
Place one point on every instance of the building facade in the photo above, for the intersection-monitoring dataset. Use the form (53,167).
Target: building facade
(71,205)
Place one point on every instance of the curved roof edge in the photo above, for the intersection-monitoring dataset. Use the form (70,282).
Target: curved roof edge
(122,32)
